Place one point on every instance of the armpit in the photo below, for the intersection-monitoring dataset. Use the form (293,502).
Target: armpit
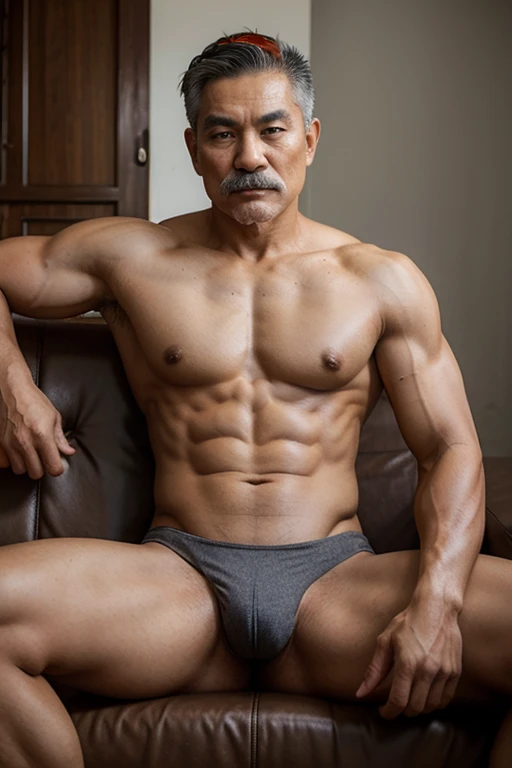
(113,312)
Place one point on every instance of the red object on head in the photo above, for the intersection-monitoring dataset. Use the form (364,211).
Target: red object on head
(252,38)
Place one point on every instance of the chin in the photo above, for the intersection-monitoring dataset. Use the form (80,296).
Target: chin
(255,213)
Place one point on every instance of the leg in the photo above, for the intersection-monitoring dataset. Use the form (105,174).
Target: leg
(343,612)
(125,620)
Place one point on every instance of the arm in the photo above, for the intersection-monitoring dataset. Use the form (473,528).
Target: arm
(40,277)
(426,390)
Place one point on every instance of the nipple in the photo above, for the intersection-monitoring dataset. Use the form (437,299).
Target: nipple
(331,360)
(173,355)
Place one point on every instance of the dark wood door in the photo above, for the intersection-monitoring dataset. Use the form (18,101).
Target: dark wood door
(75,77)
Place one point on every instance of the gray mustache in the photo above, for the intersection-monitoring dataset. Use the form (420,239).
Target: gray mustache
(250,181)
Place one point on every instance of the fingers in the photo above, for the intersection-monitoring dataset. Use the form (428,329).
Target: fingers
(24,461)
(379,666)
(32,463)
(428,686)
(16,461)
(450,690)
(437,693)
(35,455)
(400,691)
(444,685)
(51,457)
(4,458)
(421,690)
(62,443)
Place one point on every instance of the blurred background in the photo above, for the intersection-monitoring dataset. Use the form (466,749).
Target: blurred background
(415,100)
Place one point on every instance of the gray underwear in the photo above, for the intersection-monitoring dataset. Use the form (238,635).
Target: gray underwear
(259,587)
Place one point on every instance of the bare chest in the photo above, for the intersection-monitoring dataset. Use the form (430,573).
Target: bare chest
(309,324)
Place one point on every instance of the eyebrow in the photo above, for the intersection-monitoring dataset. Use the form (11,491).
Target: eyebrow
(212,121)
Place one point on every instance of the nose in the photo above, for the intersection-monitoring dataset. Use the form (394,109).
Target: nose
(250,156)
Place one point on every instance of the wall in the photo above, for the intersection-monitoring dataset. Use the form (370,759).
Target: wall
(415,156)
(179,31)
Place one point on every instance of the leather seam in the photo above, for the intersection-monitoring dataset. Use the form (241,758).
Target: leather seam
(254,730)
(496,519)
(335,761)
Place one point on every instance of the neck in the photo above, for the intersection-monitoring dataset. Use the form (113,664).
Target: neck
(253,242)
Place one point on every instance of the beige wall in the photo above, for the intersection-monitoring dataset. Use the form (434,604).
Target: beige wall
(415,156)
(178,32)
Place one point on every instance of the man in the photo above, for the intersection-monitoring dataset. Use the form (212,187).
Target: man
(257,343)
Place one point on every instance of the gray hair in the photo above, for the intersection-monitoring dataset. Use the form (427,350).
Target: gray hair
(238,58)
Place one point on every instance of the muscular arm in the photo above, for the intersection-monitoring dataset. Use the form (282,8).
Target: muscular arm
(426,390)
(57,277)
(41,277)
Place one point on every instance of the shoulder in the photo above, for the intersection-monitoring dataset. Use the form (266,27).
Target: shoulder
(321,237)
(391,274)
(188,229)
(406,298)
(108,239)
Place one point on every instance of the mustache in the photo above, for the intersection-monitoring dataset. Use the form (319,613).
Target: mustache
(239,182)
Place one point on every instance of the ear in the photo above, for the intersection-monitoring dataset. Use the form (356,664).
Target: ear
(312,136)
(191,142)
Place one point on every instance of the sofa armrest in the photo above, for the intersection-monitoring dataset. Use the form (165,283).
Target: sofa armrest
(498,528)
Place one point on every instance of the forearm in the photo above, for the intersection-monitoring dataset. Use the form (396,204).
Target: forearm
(14,371)
(449,509)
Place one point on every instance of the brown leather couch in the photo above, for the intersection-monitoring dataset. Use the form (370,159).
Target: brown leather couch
(106,492)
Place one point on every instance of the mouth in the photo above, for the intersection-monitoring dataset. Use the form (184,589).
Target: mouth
(253,191)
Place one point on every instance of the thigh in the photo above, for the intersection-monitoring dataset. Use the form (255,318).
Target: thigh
(343,612)
(126,620)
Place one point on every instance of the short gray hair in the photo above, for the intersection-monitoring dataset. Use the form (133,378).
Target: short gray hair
(232,59)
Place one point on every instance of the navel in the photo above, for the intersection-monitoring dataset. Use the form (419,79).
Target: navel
(173,354)
(331,360)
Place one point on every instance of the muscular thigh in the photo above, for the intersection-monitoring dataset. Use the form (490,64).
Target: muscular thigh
(118,619)
(343,612)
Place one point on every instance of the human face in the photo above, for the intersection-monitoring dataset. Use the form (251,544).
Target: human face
(250,147)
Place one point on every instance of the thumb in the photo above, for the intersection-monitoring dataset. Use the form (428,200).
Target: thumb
(379,666)
(62,442)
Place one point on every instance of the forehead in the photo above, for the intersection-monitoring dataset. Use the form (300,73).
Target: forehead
(248,96)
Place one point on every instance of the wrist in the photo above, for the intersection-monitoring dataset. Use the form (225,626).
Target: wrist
(437,593)
(15,377)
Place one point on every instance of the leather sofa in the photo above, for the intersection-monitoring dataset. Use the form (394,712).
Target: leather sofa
(106,492)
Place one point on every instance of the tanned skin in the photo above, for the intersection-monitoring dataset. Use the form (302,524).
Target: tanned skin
(257,343)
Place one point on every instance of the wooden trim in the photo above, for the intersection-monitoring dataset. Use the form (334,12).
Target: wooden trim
(27,220)
(14,152)
(5,90)
(133,116)
(60,194)
(130,190)
(24,96)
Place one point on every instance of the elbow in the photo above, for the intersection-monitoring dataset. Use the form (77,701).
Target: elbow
(469,450)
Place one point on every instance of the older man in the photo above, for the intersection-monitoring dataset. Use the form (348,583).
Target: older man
(256,342)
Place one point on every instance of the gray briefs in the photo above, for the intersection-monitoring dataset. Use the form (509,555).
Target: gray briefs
(259,587)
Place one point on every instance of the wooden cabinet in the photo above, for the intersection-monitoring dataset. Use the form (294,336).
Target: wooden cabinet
(75,92)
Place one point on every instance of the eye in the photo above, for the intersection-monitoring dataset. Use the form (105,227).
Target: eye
(222,135)
(273,130)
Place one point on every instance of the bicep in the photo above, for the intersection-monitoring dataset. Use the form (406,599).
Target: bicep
(421,374)
(44,277)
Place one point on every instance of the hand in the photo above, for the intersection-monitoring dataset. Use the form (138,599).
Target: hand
(31,435)
(423,648)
